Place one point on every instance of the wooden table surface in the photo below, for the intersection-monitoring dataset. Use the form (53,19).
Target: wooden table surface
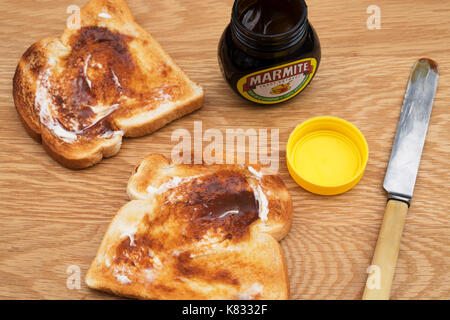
(53,217)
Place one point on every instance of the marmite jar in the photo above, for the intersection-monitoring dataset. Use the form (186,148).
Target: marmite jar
(269,52)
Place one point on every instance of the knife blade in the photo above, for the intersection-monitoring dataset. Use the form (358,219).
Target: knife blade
(401,175)
(412,128)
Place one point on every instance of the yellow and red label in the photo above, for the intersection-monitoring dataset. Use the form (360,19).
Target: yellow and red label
(279,83)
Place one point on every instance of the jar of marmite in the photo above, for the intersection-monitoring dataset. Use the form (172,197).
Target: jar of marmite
(269,52)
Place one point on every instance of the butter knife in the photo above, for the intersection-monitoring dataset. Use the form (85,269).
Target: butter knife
(401,175)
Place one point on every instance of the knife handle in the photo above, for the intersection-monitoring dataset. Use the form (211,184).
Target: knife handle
(381,272)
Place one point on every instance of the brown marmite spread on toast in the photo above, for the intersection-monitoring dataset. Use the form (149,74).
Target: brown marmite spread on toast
(98,79)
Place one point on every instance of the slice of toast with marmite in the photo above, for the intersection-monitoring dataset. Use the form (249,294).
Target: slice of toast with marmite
(108,78)
(196,232)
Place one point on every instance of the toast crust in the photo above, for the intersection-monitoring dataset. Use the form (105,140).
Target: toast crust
(196,232)
(81,93)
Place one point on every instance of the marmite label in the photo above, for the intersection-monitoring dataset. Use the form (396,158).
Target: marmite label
(277,84)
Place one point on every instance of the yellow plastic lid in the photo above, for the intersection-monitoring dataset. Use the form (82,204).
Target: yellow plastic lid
(326,155)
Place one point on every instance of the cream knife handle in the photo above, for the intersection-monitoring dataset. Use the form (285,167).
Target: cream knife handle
(381,272)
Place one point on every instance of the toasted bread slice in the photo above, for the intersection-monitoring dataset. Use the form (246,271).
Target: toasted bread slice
(80,93)
(196,232)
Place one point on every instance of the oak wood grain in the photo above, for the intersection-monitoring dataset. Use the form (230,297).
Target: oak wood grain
(52,217)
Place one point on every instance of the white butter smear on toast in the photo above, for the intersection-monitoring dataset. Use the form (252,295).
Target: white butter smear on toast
(120,275)
(123,279)
(128,232)
(259,194)
(171,184)
(249,294)
(257,174)
(104,14)
(263,203)
(42,100)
